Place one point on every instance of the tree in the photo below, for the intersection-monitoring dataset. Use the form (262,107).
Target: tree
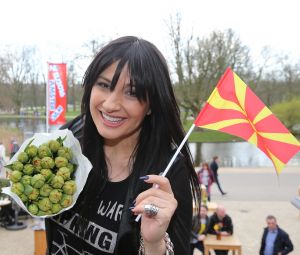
(200,62)
(288,112)
(16,69)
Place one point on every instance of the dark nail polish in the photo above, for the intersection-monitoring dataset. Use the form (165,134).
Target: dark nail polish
(143,178)
(133,203)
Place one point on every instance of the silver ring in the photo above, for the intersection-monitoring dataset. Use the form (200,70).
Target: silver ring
(151,210)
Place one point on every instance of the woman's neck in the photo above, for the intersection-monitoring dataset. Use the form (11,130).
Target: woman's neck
(119,159)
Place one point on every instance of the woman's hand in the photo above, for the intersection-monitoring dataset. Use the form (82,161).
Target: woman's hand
(153,229)
(201,237)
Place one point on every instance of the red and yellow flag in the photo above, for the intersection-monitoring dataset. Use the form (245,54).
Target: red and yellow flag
(233,108)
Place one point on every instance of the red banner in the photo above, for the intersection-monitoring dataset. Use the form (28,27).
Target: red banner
(57,93)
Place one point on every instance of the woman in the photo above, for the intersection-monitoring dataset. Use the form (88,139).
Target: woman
(199,230)
(206,177)
(129,129)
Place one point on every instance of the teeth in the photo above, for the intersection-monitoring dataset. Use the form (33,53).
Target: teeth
(110,118)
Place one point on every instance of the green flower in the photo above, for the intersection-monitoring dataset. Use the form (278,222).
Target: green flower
(17,166)
(17,188)
(64,172)
(31,151)
(61,162)
(45,190)
(23,157)
(56,208)
(38,181)
(66,200)
(45,204)
(15,176)
(57,182)
(34,194)
(44,151)
(54,145)
(26,179)
(69,187)
(33,209)
(28,169)
(47,162)
(55,196)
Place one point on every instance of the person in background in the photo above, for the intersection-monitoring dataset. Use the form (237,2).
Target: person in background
(214,167)
(275,241)
(206,177)
(2,156)
(220,223)
(14,147)
(199,229)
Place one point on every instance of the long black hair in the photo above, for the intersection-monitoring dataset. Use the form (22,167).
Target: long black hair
(161,130)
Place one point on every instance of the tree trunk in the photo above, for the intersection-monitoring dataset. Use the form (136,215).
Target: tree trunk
(198,156)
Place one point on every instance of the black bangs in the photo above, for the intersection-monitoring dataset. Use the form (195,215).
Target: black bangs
(138,69)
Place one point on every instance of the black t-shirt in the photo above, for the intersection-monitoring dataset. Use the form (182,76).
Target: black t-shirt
(100,236)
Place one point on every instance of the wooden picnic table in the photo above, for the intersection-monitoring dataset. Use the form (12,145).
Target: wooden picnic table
(226,243)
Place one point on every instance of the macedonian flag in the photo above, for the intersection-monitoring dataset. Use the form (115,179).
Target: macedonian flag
(233,108)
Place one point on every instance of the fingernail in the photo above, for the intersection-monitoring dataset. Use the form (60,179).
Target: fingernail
(143,178)
(133,203)
(131,207)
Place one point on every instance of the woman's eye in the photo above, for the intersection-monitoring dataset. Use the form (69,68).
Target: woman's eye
(131,92)
(103,85)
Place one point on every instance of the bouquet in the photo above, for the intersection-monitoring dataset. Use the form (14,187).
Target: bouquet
(48,173)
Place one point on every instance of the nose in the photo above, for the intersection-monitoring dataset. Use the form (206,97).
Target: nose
(112,102)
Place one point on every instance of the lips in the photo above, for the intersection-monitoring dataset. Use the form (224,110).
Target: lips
(112,120)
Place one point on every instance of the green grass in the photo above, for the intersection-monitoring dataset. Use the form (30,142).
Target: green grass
(211,136)
(69,115)
(201,135)
(198,135)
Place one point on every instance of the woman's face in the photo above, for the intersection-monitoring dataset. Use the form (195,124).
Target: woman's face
(117,114)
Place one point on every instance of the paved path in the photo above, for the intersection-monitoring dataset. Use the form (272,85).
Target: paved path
(252,195)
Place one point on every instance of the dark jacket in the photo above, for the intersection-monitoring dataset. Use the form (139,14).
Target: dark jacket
(214,167)
(226,224)
(180,225)
(282,243)
(196,226)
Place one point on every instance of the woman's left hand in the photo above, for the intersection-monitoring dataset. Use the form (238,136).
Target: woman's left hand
(153,228)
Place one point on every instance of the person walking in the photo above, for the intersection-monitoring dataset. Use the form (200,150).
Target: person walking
(206,177)
(214,167)
(275,240)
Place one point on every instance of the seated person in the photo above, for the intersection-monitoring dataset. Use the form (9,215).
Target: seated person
(220,223)
(199,229)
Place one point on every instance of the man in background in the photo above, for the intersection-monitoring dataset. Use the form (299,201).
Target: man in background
(275,241)
(214,167)
(220,223)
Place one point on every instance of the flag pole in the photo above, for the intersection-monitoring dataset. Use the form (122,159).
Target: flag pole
(173,159)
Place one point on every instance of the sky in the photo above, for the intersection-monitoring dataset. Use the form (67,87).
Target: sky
(59,28)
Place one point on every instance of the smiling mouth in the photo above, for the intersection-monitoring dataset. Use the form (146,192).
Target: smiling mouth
(111,119)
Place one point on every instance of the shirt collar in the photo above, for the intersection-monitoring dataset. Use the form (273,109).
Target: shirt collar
(273,231)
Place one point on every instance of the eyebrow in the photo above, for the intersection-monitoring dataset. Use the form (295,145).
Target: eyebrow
(109,81)
(104,78)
